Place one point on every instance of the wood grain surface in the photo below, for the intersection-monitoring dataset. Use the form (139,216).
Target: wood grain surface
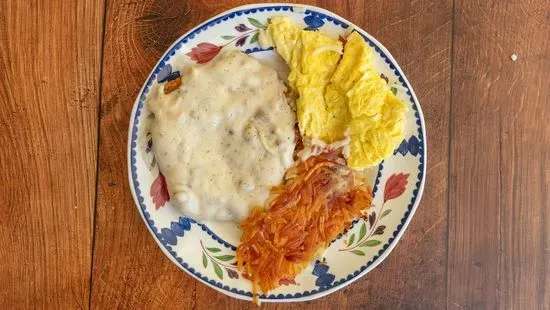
(49,83)
(499,242)
(72,238)
(136,36)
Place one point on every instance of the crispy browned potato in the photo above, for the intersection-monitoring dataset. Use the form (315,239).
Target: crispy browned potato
(172,85)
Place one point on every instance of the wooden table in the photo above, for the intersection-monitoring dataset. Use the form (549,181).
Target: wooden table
(70,236)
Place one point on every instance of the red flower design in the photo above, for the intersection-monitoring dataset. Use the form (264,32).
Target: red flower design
(395,186)
(159,191)
(204,52)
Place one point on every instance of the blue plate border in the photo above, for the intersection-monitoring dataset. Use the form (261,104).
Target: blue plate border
(133,154)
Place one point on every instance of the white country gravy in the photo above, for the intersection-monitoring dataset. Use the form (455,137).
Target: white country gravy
(223,138)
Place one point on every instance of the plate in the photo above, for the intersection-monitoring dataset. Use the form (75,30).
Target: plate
(206,250)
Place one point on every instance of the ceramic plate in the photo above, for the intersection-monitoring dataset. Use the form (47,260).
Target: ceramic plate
(206,250)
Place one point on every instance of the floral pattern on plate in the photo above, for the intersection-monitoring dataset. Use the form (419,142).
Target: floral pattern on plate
(206,250)
(205,51)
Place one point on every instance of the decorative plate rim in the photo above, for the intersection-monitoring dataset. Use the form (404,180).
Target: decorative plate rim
(388,58)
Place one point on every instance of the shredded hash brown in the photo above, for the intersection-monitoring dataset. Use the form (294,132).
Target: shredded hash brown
(319,198)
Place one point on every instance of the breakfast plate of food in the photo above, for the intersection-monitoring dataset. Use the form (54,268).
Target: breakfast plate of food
(276,152)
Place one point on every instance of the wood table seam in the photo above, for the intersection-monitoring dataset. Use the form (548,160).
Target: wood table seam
(100,89)
(449,146)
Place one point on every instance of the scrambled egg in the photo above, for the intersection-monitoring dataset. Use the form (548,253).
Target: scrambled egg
(377,116)
(340,97)
(312,58)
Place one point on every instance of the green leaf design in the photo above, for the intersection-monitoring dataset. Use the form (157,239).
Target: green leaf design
(385,213)
(255,23)
(351,239)
(371,243)
(217,269)
(227,37)
(204,260)
(213,250)
(394,90)
(254,38)
(358,252)
(362,231)
(225,258)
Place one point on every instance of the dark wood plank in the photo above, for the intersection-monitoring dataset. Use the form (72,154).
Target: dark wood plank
(129,269)
(137,33)
(500,148)
(49,86)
